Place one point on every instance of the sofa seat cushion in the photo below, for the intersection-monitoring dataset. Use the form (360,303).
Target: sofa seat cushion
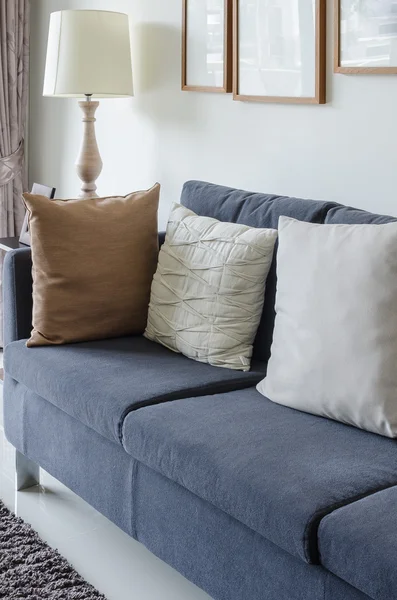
(100,382)
(276,470)
(359,544)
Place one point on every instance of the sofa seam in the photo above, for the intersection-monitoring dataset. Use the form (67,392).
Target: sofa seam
(14,297)
(133,522)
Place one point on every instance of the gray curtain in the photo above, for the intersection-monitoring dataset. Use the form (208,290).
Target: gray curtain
(14,80)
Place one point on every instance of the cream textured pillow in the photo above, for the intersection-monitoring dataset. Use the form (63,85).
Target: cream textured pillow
(334,348)
(93,264)
(208,292)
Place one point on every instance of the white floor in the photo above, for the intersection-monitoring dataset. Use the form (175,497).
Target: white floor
(114,563)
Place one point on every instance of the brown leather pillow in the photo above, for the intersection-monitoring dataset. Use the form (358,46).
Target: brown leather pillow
(93,265)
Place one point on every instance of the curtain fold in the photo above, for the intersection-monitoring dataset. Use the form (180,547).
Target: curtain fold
(14,85)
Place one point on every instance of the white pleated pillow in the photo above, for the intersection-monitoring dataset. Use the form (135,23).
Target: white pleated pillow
(334,349)
(208,292)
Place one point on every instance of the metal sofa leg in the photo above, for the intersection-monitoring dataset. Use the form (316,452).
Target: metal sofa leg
(27,472)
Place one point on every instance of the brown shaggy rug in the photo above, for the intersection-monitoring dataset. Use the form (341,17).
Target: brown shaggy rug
(31,570)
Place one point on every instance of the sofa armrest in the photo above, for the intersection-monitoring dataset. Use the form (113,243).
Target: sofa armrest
(17,295)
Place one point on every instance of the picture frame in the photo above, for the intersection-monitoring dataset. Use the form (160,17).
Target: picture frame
(209,70)
(41,190)
(365,37)
(286,64)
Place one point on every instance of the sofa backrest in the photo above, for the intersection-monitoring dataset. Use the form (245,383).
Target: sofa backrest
(343,215)
(254,210)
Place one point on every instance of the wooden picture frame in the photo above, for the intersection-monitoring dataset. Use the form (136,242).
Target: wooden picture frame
(41,190)
(226,86)
(354,69)
(319,76)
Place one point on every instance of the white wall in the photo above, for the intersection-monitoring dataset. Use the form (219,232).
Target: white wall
(344,151)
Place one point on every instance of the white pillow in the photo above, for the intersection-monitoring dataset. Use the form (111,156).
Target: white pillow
(208,292)
(334,349)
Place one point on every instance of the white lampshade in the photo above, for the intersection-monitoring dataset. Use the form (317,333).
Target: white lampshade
(88,53)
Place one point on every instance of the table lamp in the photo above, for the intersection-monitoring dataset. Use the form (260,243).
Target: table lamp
(88,55)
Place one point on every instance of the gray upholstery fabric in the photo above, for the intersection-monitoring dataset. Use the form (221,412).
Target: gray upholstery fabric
(221,555)
(349,215)
(99,382)
(17,295)
(254,210)
(218,553)
(359,543)
(98,470)
(277,470)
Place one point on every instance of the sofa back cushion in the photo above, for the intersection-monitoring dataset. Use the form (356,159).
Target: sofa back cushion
(347,215)
(255,210)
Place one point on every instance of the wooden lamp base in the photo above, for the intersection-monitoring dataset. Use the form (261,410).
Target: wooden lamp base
(89,163)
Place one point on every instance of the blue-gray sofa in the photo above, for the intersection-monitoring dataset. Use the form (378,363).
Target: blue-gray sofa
(248,499)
